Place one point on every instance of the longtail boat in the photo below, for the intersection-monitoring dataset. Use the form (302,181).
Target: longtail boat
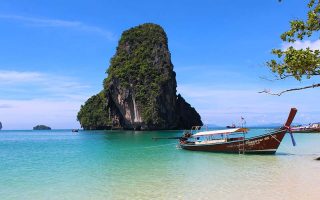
(234,140)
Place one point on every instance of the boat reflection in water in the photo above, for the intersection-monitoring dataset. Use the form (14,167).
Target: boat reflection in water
(234,140)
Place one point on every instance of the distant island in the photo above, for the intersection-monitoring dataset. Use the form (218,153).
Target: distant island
(0,125)
(140,90)
(41,127)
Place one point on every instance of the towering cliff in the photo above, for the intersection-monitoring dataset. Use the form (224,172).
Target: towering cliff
(140,90)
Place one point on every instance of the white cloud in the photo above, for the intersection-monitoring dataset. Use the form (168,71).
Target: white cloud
(5,106)
(30,98)
(43,22)
(24,114)
(313,45)
(24,84)
(7,77)
(223,106)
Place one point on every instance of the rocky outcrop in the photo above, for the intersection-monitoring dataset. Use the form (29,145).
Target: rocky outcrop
(94,115)
(186,114)
(41,127)
(140,90)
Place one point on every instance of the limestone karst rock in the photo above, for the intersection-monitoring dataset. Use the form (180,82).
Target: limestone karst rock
(140,89)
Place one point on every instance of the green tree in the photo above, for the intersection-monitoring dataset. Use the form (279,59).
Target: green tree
(94,114)
(298,63)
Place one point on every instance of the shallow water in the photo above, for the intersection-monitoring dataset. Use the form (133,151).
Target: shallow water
(130,165)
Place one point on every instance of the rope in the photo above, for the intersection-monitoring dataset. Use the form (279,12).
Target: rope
(275,138)
(285,146)
(149,147)
(155,146)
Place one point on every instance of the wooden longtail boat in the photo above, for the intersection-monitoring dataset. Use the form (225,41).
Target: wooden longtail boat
(230,141)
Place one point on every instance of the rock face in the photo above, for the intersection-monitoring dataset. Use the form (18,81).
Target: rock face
(140,90)
(41,127)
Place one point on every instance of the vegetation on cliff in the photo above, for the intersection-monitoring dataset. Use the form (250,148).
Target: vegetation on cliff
(41,127)
(140,89)
(134,66)
(94,114)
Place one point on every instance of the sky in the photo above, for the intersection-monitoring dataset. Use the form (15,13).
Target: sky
(54,55)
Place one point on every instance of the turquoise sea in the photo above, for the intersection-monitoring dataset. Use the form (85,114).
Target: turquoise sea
(130,165)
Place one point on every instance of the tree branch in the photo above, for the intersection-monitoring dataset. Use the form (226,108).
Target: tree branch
(276,78)
(290,90)
(281,77)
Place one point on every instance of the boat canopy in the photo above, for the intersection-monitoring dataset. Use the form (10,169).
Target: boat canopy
(215,132)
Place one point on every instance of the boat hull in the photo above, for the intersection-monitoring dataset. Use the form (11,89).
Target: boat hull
(264,144)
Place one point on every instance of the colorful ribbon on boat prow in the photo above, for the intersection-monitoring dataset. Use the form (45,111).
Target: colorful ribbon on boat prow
(291,116)
(288,129)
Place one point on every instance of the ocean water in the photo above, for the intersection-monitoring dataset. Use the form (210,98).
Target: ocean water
(130,165)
